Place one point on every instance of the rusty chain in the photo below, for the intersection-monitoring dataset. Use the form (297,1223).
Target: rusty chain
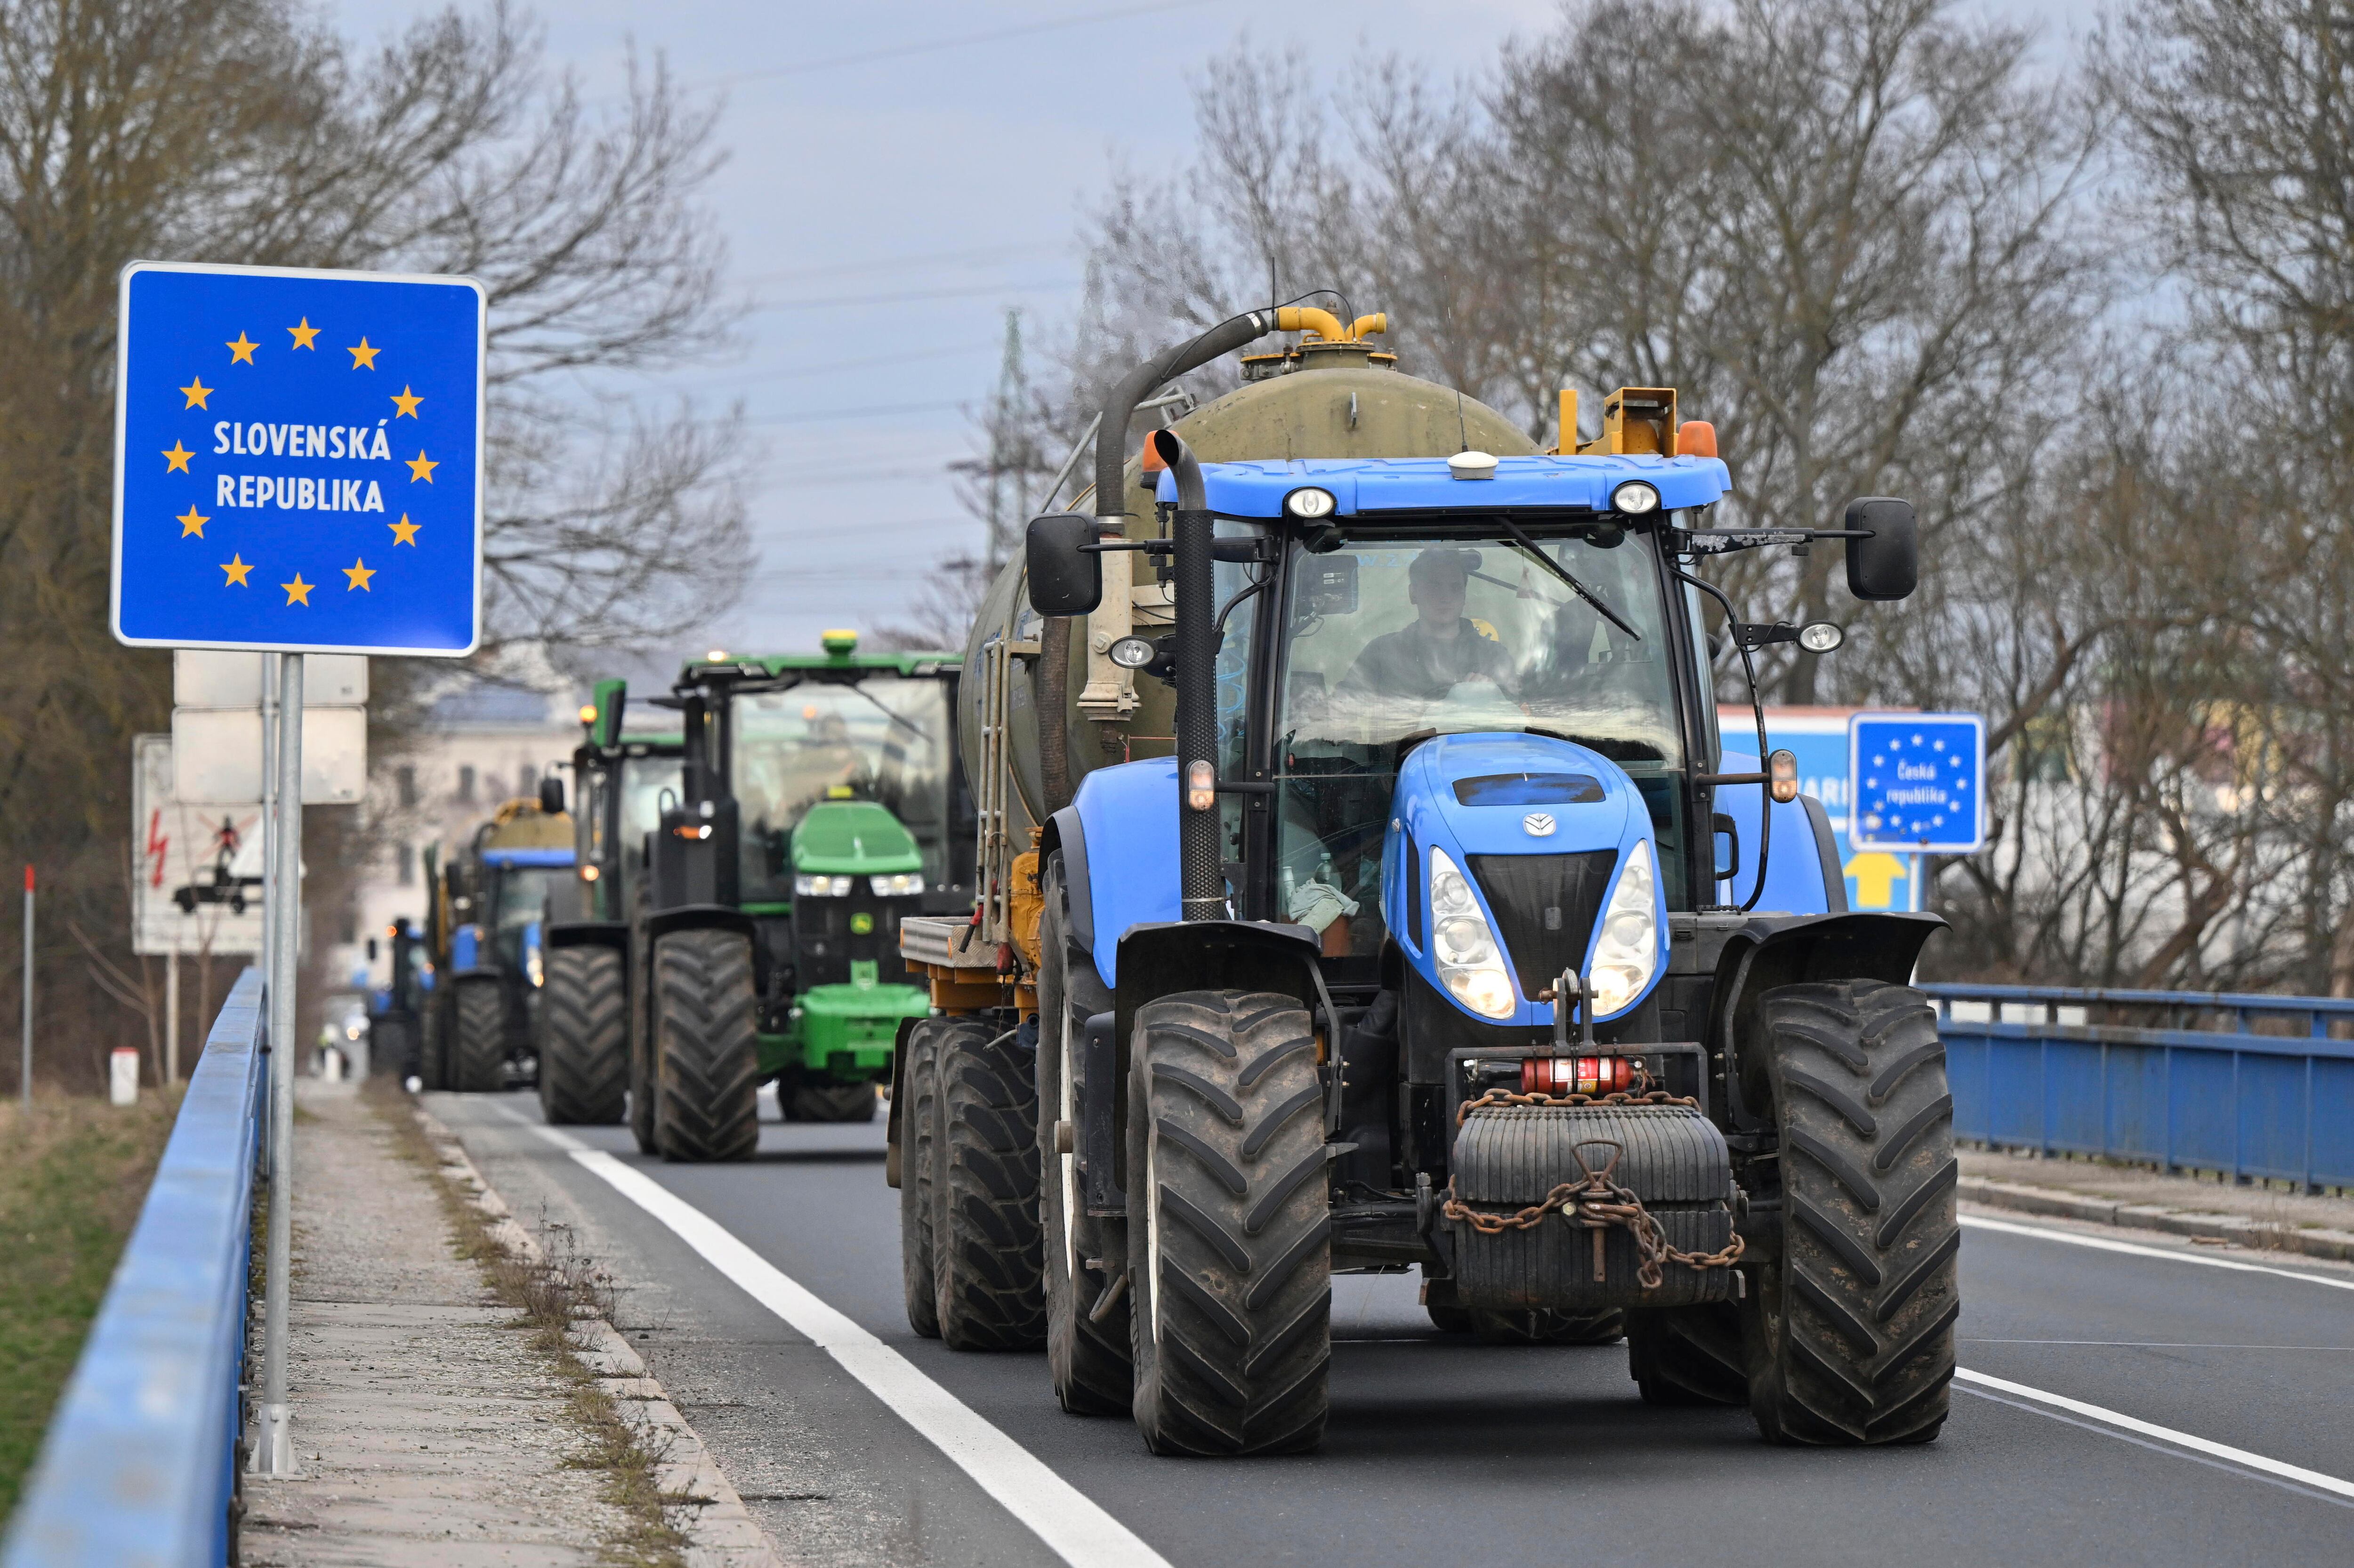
(1495,1098)
(1595,1203)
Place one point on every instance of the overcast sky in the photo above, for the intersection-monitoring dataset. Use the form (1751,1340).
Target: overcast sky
(887,199)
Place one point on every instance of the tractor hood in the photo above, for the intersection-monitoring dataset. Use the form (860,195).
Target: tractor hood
(852,838)
(1514,856)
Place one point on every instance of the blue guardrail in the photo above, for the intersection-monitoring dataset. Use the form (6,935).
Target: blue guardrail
(2163,1091)
(140,1461)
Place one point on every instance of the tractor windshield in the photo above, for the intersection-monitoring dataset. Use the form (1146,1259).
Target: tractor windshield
(884,739)
(1399,636)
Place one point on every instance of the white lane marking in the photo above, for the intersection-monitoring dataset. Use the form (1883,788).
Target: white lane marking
(1069,1521)
(2240,1457)
(2100,1244)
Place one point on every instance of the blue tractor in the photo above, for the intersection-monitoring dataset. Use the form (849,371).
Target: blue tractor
(1455,937)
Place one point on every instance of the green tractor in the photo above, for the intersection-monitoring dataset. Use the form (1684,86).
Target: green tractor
(486,913)
(619,781)
(816,811)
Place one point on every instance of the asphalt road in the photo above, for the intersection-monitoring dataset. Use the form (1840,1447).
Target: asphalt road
(1440,1451)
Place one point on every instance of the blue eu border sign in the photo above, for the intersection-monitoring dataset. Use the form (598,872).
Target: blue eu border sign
(298,460)
(1918,782)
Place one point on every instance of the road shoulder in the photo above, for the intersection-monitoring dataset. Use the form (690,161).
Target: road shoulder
(436,1420)
(2258,1218)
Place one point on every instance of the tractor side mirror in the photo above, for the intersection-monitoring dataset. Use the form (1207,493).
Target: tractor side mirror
(1727,837)
(1064,577)
(1888,565)
(551,796)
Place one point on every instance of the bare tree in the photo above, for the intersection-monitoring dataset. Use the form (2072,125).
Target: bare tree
(245,131)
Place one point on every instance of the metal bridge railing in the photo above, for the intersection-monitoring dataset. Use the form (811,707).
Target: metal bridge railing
(2241,1083)
(138,1465)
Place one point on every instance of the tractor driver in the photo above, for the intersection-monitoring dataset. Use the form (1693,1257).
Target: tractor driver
(1440,649)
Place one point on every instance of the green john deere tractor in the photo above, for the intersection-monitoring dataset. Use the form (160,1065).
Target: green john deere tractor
(619,781)
(817,808)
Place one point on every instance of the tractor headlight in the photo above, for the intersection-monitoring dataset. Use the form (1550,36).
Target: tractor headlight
(1464,945)
(1629,953)
(1635,498)
(898,886)
(823,886)
(534,967)
(1309,503)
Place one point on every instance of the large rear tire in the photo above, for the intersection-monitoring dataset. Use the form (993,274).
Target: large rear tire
(1230,1226)
(919,1172)
(1855,1319)
(481,1046)
(584,1038)
(1087,1335)
(707,1052)
(985,1237)
(1689,1355)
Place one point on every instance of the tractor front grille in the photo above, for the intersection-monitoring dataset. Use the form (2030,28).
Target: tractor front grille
(1544,906)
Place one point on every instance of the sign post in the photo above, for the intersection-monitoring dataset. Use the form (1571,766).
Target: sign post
(270,423)
(1917,788)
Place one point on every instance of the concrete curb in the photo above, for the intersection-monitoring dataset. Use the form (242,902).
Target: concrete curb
(720,1531)
(2256,1235)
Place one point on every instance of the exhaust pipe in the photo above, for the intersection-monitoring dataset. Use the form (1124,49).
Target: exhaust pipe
(1200,868)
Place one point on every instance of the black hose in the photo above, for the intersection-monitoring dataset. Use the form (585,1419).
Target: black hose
(1119,408)
(1111,503)
(1757,706)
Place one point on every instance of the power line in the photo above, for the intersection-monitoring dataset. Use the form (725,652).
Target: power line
(931,46)
(797,372)
(896,264)
(964,293)
(815,415)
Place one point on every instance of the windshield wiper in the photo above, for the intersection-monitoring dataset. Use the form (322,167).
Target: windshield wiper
(1579,588)
(895,718)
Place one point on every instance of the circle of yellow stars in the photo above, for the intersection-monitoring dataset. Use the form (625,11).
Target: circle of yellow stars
(237,569)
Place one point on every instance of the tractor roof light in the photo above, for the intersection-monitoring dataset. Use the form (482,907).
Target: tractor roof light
(1635,498)
(1311,503)
(1821,637)
(1130,652)
(587,713)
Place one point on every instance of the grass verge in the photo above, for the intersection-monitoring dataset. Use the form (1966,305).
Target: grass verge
(72,1178)
(548,1299)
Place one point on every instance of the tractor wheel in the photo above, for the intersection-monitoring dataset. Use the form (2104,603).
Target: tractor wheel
(584,1038)
(1229,1248)
(479,1049)
(433,1030)
(707,1055)
(919,1171)
(1689,1355)
(1855,1320)
(828,1102)
(985,1241)
(1087,1315)
(1548,1326)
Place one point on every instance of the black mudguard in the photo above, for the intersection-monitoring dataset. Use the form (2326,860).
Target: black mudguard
(1791,949)
(1168,957)
(586,934)
(698,917)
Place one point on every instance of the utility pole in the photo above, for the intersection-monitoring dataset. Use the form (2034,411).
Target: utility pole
(24,1067)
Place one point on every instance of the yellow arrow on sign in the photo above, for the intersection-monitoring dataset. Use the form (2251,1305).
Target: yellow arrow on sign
(1875,871)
